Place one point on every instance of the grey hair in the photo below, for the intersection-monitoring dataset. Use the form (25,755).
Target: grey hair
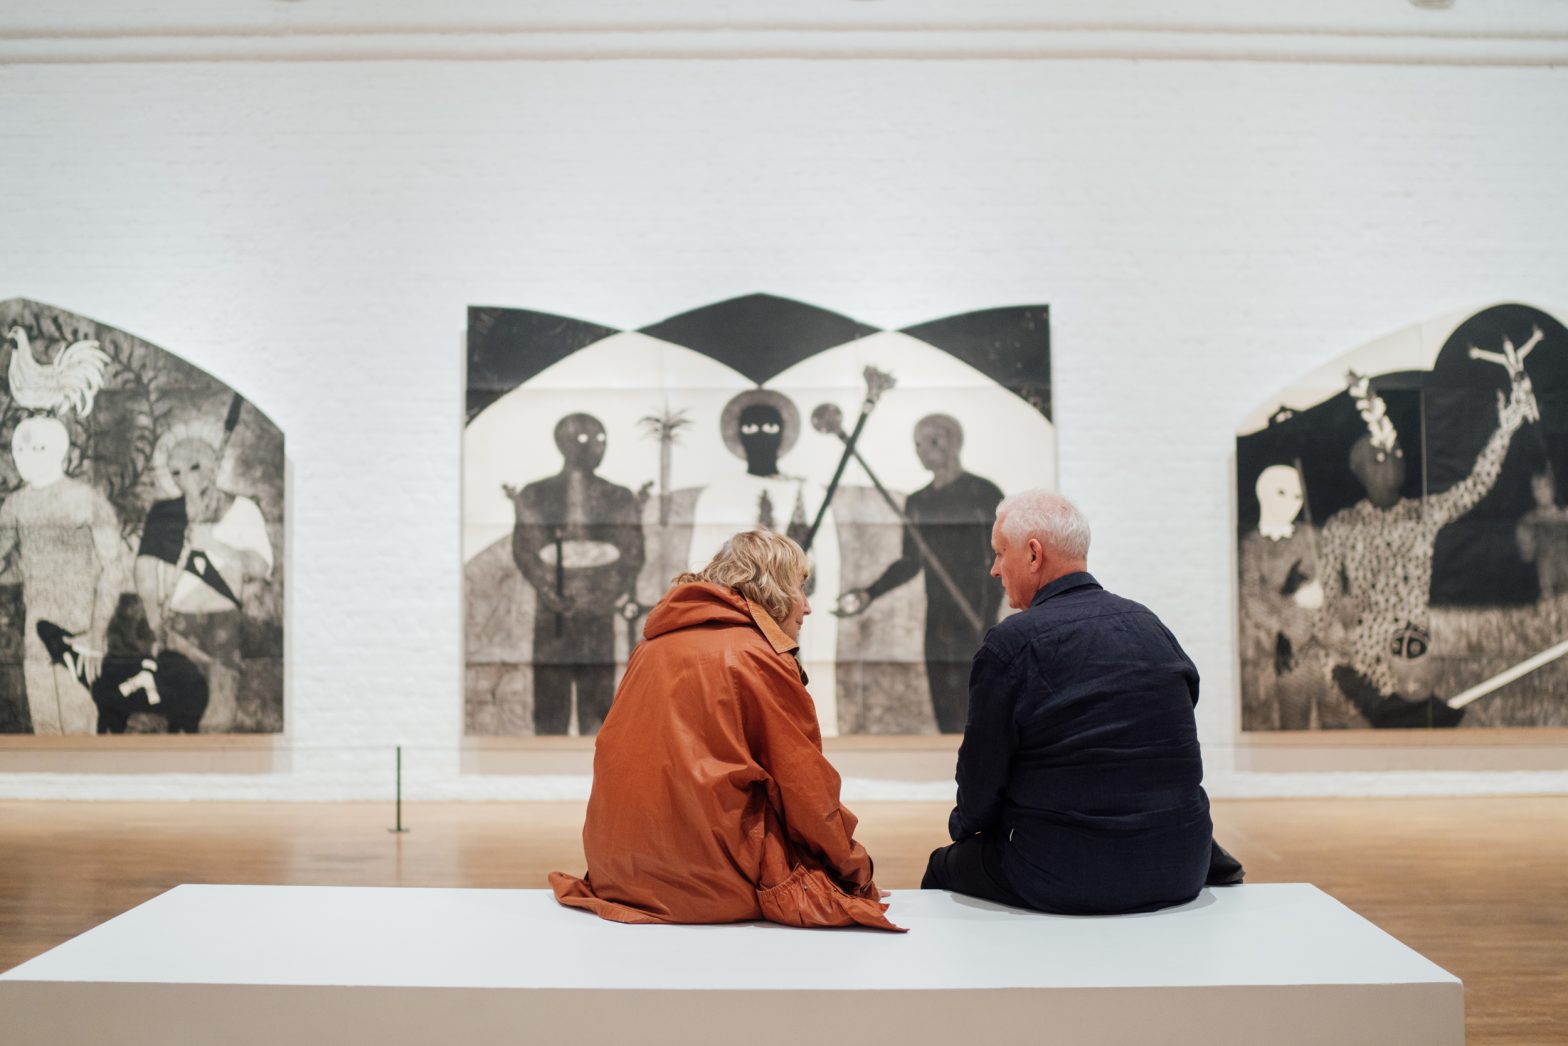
(1049,518)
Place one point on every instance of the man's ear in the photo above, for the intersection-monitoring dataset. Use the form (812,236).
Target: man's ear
(1036,551)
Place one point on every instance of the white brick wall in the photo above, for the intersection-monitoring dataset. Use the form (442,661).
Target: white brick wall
(312,231)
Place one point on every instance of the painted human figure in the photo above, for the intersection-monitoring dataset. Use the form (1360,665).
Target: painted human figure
(578,541)
(952,515)
(1281,594)
(197,553)
(1377,564)
(760,426)
(1542,535)
(59,533)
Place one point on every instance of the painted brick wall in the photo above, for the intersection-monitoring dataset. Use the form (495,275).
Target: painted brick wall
(311,233)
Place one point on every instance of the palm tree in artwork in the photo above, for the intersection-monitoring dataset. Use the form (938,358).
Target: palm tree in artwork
(665,427)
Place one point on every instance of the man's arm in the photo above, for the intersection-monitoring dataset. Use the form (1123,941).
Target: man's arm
(1191,671)
(902,569)
(986,755)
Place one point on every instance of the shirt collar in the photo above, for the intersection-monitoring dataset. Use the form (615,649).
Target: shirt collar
(1065,583)
(781,643)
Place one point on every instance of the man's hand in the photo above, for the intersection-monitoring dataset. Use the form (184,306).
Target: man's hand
(852,603)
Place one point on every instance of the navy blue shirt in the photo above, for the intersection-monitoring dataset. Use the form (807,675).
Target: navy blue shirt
(1082,749)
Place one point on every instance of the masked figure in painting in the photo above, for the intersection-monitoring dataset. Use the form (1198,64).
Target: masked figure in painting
(578,541)
(59,533)
(760,426)
(1280,598)
(197,553)
(1377,566)
(952,517)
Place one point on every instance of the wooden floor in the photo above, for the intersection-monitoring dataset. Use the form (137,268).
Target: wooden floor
(1480,886)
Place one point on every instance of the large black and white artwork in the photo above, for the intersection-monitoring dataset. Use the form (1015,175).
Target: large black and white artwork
(599,463)
(141,527)
(1402,536)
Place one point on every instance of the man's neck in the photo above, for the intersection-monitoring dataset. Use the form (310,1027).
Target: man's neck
(1061,570)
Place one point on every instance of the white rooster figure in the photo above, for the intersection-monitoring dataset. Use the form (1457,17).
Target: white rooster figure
(40,444)
(69,383)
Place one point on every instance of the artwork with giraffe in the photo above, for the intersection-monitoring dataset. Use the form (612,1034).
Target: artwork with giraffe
(141,529)
(601,461)
(1402,533)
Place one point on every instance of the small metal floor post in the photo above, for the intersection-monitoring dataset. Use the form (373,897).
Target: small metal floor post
(398,827)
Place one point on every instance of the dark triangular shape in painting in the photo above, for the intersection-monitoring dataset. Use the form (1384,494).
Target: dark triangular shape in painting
(759,335)
(1007,345)
(506,347)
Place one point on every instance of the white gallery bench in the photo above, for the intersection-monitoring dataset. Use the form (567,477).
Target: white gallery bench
(1280,964)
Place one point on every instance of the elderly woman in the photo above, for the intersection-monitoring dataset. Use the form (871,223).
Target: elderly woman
(712,801)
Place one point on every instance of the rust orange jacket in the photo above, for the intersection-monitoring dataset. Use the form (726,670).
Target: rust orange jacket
(712,801)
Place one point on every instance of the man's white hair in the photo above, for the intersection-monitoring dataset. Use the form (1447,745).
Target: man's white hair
(1049,518)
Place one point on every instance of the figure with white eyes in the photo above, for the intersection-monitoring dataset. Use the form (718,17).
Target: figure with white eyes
(198,551)
(1281,594)
(1377,566)
(760,426)
(578,542)
(59,534)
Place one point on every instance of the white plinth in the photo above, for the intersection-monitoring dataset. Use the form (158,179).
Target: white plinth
(1280,964)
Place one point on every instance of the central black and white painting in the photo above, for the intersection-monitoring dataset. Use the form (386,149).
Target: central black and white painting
(599,463)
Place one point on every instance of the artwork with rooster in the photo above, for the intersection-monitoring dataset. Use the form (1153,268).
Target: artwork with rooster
(129,597)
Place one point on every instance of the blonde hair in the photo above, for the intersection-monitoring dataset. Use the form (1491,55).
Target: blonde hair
(761,565)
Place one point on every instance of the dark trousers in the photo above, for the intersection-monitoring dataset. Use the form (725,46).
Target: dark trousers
(972,866)
(583,654)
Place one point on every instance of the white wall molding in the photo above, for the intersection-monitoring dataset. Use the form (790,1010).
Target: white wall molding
(736,44)
(1531,33)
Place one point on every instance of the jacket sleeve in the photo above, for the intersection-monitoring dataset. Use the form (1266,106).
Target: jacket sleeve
(781,729)
(1190,670)
(986,755)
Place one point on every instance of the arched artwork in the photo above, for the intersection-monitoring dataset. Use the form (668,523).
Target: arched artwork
(141,528)
(599,463)
(1403,545)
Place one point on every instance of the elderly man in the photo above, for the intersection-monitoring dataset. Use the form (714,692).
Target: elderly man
(1079,775)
